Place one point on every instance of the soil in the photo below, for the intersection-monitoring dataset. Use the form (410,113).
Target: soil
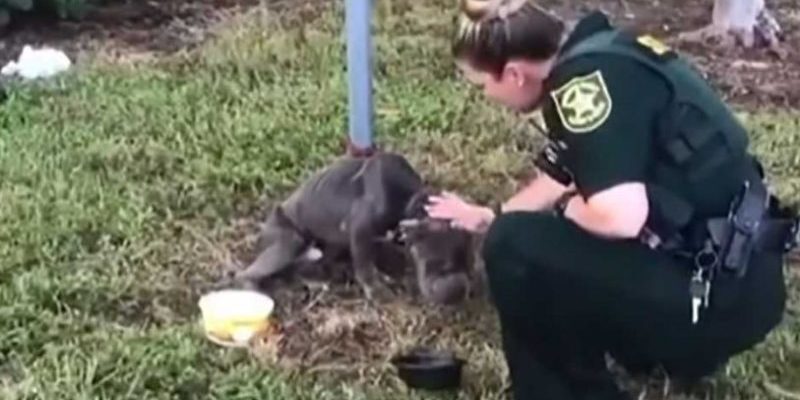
(757,77)
(128,27)
(747,77)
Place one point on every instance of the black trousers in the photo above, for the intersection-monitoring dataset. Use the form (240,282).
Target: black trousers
(566,298)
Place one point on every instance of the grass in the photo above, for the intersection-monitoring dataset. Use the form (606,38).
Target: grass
(121,188)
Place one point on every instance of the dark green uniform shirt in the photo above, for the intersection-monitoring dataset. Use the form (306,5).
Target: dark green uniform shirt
(602,110)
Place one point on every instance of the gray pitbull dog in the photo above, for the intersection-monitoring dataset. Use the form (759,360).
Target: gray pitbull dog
(349,208)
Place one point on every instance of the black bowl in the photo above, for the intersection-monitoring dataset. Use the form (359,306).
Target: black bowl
(423,368)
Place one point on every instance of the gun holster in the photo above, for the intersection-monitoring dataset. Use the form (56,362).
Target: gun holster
(750,228)
(744,220)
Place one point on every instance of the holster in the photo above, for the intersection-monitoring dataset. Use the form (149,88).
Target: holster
(755,223)
(750,228)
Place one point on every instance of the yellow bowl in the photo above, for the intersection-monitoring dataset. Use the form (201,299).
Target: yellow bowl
(232,317)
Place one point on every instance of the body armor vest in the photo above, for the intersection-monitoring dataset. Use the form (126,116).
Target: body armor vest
(696,135)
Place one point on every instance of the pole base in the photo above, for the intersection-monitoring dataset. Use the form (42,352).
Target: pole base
(358,152)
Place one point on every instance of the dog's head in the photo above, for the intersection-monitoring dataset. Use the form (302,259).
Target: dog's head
(440,253)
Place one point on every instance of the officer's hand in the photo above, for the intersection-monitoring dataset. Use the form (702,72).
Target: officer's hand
(461,214)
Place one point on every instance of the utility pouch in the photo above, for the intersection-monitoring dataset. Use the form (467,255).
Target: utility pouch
(549,162)
(737,236)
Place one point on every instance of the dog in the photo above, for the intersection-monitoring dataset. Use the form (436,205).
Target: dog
(352,207)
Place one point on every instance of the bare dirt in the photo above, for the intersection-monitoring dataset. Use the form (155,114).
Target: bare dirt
(747,77)
(126,27)
(757,77)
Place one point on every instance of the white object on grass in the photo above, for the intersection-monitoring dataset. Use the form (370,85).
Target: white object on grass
(38,63)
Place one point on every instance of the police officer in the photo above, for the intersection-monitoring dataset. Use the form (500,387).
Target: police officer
(647,235)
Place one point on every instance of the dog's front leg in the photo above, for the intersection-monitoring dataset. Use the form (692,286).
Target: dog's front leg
(362,247)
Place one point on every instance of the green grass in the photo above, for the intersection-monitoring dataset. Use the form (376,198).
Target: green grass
(120,188)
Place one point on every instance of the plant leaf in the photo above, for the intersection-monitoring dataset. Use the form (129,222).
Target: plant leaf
(24,5)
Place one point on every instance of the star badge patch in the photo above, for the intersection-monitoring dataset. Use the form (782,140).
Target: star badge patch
(583,103)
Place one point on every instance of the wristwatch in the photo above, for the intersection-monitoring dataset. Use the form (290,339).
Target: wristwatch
(562,202)
(497,208)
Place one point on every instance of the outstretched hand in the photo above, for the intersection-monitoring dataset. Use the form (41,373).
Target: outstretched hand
(460,213)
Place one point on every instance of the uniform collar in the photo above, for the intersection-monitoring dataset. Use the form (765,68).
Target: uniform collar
(594,22)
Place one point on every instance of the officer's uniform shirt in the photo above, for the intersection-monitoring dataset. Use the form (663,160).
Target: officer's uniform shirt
(600,112)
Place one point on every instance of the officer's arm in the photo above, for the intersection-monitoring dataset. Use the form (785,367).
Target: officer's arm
(617,212)
(605,123)
(541,193)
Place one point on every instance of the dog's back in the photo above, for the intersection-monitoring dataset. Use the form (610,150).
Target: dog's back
(323,203)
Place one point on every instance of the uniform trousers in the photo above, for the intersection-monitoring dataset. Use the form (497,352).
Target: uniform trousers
(566,299)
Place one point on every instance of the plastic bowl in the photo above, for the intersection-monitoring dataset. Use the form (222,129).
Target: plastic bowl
(232,317)
(423,368)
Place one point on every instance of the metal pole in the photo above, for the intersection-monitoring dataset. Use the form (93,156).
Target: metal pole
(359,75)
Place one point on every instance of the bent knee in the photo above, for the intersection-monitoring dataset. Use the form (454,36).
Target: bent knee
(516,241)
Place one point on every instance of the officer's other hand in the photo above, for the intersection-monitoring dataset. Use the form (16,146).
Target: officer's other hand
(460,213)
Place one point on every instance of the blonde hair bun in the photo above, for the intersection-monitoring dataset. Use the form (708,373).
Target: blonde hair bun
(481,10)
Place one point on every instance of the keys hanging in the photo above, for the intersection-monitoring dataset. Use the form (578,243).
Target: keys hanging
(698,289)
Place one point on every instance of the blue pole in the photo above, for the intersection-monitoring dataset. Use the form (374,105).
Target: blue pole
(359,74)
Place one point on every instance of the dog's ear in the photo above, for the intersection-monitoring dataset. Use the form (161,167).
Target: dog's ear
(415,209)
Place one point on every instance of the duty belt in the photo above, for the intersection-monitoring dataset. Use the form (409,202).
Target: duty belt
(755,224)
(729,241)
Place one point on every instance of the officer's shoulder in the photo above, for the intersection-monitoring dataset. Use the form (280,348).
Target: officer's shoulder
(571,83)
(616,70)
(604,78)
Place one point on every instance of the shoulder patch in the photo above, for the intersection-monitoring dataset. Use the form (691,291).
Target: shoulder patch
(583,103)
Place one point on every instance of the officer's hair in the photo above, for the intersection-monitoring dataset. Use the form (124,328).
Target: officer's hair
(491,32)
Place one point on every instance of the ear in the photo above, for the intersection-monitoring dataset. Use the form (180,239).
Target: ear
(513,73)
(415,209)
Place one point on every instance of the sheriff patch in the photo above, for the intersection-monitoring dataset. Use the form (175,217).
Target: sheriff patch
(583,103)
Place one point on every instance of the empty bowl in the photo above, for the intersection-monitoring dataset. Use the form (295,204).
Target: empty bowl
(423,368)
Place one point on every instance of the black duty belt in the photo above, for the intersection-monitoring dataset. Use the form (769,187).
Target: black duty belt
(755,224)
(774,235)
